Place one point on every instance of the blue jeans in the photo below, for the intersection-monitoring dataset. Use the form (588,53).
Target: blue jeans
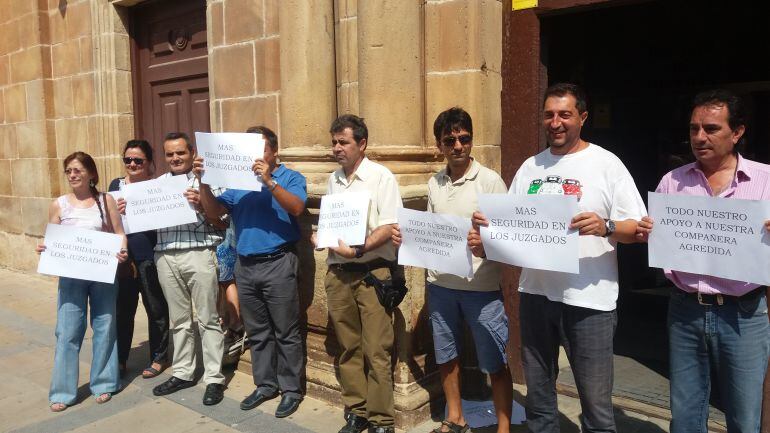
(586,335)
(729,342)
(485,315)
(74,296)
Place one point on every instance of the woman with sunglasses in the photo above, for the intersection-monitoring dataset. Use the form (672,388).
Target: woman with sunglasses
(86,208)
(138,274)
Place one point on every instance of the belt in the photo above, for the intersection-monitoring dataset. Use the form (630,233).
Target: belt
(720,299)
(277,253)
(360,267)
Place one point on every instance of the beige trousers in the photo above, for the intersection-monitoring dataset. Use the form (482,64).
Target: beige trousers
(364,330)
(189,280)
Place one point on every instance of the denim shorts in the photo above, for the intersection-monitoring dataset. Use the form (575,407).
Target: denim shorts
(485,315)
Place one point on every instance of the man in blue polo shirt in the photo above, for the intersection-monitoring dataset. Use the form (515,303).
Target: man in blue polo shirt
(266,230)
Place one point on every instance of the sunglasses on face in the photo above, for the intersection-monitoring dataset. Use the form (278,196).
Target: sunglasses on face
(75,171)
(450,140)
(137,161)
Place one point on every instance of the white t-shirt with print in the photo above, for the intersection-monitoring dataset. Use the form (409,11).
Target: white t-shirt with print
(604,186)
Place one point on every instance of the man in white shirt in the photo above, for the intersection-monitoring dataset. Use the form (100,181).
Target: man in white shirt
(363,327)
(574,310)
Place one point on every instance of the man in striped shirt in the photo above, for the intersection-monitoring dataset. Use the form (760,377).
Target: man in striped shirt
(187,269)
(717,327)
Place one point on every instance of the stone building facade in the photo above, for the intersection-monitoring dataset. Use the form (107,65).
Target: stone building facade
(71,78)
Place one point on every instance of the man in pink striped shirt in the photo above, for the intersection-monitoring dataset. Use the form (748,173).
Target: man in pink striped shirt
(717,327)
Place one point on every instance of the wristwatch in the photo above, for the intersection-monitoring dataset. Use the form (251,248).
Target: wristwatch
(359,249)
(609,227)
(272,187)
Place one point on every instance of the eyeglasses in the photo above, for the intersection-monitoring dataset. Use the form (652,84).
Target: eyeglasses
(74,171)
(137,161)
(450,140)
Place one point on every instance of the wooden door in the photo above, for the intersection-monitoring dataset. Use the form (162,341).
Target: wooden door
(170,58)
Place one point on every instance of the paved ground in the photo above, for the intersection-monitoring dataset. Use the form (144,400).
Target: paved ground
(27,319)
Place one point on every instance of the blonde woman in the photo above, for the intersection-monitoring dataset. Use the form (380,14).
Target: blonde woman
(85,207)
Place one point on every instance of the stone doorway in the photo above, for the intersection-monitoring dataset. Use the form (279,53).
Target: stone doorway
(170,69)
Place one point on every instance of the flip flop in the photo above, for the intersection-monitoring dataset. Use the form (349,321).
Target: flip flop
(58,407)
(452,428)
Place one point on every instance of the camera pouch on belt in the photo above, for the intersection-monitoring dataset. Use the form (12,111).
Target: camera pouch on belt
(391,291)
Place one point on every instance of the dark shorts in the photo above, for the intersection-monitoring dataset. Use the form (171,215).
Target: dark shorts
(485,315)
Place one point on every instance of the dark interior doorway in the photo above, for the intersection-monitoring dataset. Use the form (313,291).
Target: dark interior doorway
(641,64)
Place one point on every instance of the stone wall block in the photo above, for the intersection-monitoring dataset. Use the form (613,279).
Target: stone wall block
(32,139)
(451,35)
(95,143)
(29,28)
(122,46)
(9,149)
(10,214)
(86,54)
(36,99)
(124,92)
(31,178)
(59,183)
(347,99)
(239,114)
(346,8)
(83,94)
(71,135)
(390,71)
(26,65)
(34,212)
(57,29)
(78,19)
(5,71)
(268,62)
(65,58)
(125,132)
(346,41)
(271,17)
(308,84)
(10,41)
(216,24)
(15,103)
(5,177)
(62,97)
(233,72)
(491,32)
(243,20)
(22,7)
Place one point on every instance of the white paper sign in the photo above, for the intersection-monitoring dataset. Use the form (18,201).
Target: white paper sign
(228,158)
(711,236)
(435,241)
(531,231)
(79,253)
(158,203)
(343,216)
(118,195)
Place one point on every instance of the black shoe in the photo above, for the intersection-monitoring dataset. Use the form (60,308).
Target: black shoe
(356,424)
(381,429)
(288,405)
(215,392)
(172,385)
(256,398)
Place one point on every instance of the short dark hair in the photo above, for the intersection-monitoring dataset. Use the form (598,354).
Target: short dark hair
(272,139)
(355,123)
(736,111)
(176,136)
(562,89)
(143,145)
(453,119)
